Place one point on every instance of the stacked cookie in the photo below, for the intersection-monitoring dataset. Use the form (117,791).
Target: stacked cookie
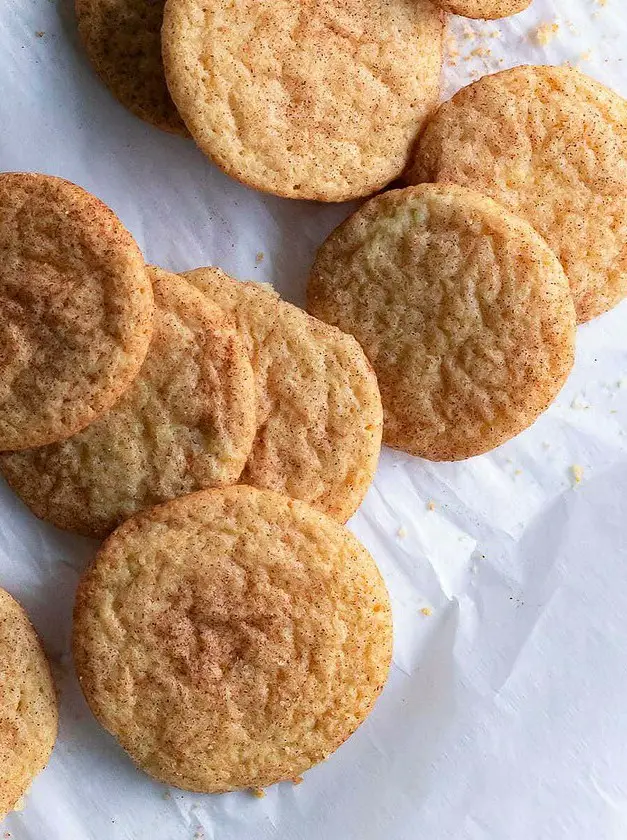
(315,100)
(549,144)
(253,622)
(462,308)
(236,385)
(76,309)
(303,99)
(467,308)
(334,100)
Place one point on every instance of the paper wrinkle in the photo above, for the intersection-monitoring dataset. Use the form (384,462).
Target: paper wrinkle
(505,714)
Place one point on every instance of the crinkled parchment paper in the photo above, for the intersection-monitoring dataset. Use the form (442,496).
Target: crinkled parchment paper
(505,716)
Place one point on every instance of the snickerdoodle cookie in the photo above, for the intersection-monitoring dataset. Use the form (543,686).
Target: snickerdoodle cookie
(319,415)
(122,39)
(463,310)
(231,638)
(28,704)
(316,99)
(76,309)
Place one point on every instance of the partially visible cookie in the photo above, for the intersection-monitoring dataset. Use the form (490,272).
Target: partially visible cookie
(314,99)
(462,309)
(28,705)
(123,41)
(186,423)
(550,144)
(319,416)
(75,309)
(232,638)
(483,9)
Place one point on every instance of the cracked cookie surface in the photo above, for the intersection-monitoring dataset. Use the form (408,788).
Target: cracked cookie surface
(483,9)
(186,423)
(550,144)
(319,415)
(122,39)
(232,638)
(463,310)
(316,99)
(28,704)
(75,309)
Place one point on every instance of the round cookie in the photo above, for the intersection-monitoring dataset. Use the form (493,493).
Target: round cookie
(484,9)
(122,39)
(186,423)
(232,638)
(463,310)
(75,309)
(550,144)
(313,99)
(319,415)
(28,705)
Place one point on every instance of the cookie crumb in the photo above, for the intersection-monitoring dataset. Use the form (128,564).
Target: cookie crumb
(579,404)
(259,258)
(297,780)
(545,33)
(480,52)
(258,793)
(452,50)
(426,611)
(430,505)
(577,474)
(402,532)
(40,34)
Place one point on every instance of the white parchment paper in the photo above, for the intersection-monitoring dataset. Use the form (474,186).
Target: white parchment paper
(505,716)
